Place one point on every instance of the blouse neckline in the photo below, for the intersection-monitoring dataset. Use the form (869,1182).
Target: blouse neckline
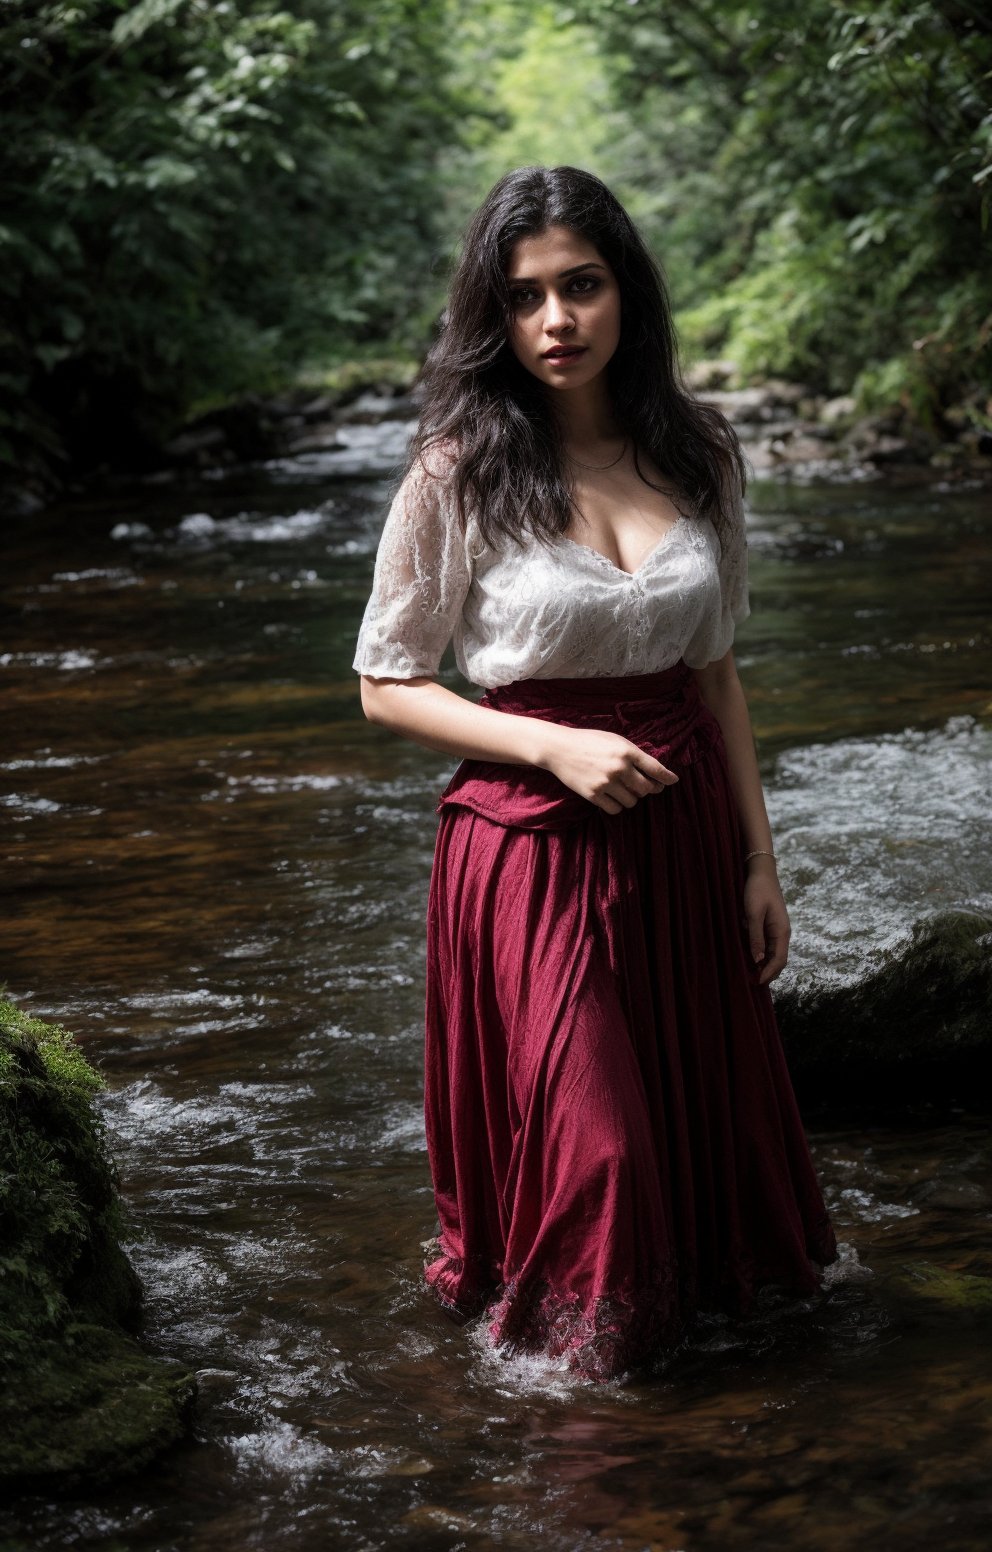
(621,571)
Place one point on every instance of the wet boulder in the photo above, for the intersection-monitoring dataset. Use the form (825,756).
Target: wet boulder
(81,1399)
(914,1024)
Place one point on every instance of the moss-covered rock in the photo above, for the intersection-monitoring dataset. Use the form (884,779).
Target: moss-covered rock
(81,1399)
(915,1025)
(959,1292)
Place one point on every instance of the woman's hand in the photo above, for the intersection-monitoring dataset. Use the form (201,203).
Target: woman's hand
(604,767)
(767,919)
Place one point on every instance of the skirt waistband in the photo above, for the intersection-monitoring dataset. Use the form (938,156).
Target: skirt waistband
(663,713)
(596,690)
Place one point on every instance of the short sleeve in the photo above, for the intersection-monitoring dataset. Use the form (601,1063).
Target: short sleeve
(421,578)
(715,633)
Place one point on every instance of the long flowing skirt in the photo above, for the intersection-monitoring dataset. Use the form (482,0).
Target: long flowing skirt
(613,1136)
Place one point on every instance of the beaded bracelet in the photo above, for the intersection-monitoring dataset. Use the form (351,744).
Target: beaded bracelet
(761,853)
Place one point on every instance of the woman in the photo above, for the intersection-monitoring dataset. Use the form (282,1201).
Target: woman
(613,1136)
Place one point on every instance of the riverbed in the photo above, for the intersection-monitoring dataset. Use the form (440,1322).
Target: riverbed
(217,874)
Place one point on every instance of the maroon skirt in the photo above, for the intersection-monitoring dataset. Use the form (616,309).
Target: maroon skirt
(612,1132)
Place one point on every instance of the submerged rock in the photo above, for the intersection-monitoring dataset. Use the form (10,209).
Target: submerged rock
(959,1292)
(81,1399)
(916,1024)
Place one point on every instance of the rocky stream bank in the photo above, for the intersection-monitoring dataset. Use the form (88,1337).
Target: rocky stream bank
(787,429)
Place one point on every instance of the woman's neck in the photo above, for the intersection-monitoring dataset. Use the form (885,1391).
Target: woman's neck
(585,417)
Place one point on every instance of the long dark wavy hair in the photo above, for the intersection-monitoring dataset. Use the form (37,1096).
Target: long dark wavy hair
(492,418)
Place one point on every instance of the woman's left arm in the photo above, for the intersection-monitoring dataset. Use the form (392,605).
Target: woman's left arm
(764,907)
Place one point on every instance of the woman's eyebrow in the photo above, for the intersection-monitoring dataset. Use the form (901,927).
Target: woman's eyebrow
(528,280)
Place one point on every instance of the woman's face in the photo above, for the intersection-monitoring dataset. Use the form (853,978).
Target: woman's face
(566,308)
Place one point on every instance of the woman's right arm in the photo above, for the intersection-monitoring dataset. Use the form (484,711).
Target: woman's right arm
(603,767)
(427,713)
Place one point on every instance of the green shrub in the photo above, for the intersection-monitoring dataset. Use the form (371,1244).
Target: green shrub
(202,198)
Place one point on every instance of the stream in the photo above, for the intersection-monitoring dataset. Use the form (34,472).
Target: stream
(216,876)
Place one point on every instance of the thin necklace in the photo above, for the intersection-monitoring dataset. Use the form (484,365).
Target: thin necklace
(597,468)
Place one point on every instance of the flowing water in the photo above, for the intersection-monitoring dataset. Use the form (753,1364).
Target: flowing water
(216,876)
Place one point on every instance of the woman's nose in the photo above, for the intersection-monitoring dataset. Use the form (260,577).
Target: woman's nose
(556,314)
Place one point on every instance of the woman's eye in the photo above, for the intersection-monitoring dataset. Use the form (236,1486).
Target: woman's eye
(582,285)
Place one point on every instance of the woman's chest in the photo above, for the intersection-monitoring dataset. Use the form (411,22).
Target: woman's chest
(560,583)
(624,523)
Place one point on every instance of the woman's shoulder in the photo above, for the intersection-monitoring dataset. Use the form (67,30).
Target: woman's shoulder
(425,503)
(423,486)
(437,459)
(432,480)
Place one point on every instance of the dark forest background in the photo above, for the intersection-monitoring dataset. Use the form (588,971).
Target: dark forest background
(203,200)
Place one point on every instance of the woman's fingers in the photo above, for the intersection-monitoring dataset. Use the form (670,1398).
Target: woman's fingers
(622,794)
(756,935)
(778,954)
(607,804)
(633,782)
(647,775)
(772,938)
(608,769)
(647,767)
(643,784)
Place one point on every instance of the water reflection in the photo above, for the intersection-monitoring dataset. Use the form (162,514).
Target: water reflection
(217,875)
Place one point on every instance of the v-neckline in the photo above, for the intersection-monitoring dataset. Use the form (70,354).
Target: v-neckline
(622,571)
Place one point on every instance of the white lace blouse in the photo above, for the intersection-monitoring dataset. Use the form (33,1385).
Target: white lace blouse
(546,611)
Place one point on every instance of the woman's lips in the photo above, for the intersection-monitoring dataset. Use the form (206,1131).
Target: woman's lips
(572,354)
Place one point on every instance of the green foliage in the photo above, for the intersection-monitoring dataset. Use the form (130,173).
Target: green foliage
(779,309)
(65,1066)
(545,112)
(817,184)
(201,197)
(204,199)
